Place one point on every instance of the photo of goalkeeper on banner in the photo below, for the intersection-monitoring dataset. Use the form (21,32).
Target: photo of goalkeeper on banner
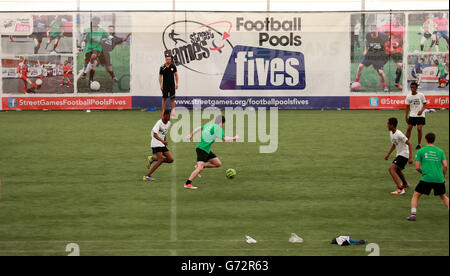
(103,59)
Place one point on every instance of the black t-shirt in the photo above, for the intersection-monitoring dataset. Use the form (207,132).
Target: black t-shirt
(168,74)
(109,43)
(376,45)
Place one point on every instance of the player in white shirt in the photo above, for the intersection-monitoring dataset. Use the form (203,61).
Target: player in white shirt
(159,145)
(415,112)
(404,155)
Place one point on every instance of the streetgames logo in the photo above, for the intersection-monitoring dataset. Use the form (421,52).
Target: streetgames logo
(191,42)
(16,25)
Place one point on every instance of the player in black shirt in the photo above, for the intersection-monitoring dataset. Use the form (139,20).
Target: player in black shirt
(168,81)
(108,45)
(374,54)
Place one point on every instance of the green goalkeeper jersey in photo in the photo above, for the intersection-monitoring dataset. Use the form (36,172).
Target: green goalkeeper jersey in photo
(210,133)
(93,39)
(431,158)
(55,28)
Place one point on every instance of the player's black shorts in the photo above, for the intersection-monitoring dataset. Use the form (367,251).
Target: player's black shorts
(426,187)
(400,161)
(427,35)
(159,149)
(377,62)
(416,121)
(38,36)
(106,57)
(397,57)
(168,93)
(204,156)
(100,57)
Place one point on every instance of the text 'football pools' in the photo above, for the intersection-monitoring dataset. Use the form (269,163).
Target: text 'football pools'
(253,68)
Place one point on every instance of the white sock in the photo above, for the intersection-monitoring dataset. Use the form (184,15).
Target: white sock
(413,211)
(88,68)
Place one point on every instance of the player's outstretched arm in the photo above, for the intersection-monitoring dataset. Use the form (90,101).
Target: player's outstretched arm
(189,137)
(410,159)
(419,167)
(407,112)
(423,108)
(389,153)
(444,167)
(227,138)
(159,139)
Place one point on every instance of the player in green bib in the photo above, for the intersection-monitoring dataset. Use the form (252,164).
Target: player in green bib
(432,164)
(205,157)
(55,32)
(92,48)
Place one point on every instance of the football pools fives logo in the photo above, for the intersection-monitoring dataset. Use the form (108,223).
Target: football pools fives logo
(253,68)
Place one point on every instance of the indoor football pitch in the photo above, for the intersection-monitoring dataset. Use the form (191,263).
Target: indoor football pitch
(76,177)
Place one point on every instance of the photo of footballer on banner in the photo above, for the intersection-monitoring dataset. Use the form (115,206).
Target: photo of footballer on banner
(49,74)
(428,32)
(377,57)
(430,71)
(103,59)
(48,34)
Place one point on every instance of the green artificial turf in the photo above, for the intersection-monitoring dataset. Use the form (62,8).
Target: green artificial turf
(76,177)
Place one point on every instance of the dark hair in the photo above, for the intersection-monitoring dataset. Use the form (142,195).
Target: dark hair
(111,26)
(220,119)
(414,83)
(167,112)
(430,137)
(393,121)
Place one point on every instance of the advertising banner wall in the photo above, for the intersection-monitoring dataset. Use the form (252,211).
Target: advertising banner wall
(292,60)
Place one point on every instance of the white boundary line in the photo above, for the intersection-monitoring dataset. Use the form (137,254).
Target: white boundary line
(173,203)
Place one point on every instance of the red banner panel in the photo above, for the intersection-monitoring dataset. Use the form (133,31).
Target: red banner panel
(394,102)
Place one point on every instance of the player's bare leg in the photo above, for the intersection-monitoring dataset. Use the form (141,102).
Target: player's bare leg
(111,73)
(359,72)
(408,131)
(382,79)
(167,158)
(398,75)
(445,199)
(393,171)
(172,101)
(37,46)
(213,163)
(94,65)
(419,134)
(56,44)
(163,105)
(402,178)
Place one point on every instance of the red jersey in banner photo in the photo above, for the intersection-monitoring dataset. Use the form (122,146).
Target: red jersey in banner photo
(67,68)
(397,34)
(442,23)
(22,69)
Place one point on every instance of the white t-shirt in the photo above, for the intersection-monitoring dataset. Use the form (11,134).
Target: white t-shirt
(416,103)
(161,129)
(399,140)
(357,29)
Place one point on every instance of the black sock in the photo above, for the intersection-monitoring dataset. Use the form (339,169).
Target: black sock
(188,182)
(421,47)
(398,74)
(91,75)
